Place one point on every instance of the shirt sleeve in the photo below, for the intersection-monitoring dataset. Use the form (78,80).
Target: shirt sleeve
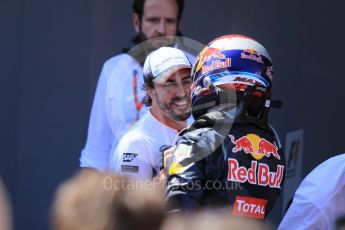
(319,199)
(312,207)
(131,159)
(304,214)
(99,138)
(113,101)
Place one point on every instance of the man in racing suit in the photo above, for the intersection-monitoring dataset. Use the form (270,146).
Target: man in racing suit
(230,157)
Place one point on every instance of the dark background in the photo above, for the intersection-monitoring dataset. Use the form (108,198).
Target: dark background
(51,52)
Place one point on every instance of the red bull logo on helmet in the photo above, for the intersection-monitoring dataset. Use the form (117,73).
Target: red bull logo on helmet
(251,51)
(208,54)
(216,65)
(252,55)
(256,146)
(211,52)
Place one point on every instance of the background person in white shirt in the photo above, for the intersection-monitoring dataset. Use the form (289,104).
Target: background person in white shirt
(320,199)
(167,77)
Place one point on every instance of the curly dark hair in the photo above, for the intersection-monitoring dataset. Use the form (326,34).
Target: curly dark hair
(148,84)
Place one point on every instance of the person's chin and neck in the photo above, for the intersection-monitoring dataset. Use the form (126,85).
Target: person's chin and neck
(158,25)
(172,106)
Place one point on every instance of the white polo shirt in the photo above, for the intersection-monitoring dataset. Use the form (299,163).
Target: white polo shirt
(138,153)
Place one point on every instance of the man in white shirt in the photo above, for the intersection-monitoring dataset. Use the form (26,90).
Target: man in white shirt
(320,199)
(167,82)
(118,102)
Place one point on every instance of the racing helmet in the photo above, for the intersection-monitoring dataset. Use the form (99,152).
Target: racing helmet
(234,70)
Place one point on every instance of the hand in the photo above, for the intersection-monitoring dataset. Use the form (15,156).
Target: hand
(166,164)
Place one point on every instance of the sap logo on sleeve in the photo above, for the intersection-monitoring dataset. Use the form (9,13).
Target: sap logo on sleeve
(128,157)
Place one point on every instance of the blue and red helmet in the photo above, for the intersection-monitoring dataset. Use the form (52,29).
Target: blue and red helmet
(233,64)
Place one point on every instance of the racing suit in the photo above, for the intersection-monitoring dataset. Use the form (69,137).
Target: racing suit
(215,167)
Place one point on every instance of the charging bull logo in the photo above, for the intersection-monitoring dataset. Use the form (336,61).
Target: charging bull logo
(211,52)
(256,146)
(251,51)
(252,55)
(208,54)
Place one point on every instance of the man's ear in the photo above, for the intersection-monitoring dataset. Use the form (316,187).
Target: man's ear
(150,92)
(136,22)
